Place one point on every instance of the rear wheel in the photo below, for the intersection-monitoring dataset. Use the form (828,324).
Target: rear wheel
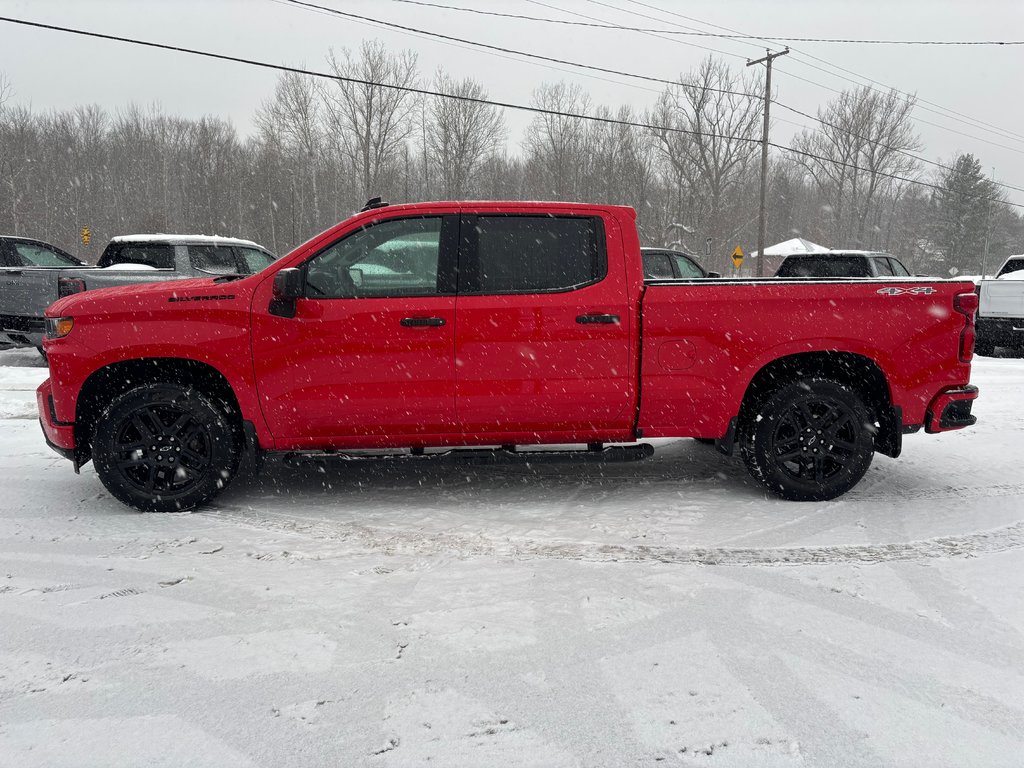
(164,448)
(810,440)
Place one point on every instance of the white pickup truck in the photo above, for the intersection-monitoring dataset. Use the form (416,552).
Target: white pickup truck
(28,287)
(1001,312)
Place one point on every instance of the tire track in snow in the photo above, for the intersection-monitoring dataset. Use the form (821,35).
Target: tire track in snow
(415,542)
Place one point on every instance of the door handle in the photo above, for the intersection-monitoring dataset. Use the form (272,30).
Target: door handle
(419,322)
(590,319)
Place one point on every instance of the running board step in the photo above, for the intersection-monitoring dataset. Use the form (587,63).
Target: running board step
(503,455)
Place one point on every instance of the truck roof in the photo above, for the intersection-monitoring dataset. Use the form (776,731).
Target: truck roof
(185,240)
(839,252)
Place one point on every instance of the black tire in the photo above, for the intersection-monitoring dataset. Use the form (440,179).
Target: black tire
(165,448)
(705,440)
(42,354)
(809,440)
(984,348)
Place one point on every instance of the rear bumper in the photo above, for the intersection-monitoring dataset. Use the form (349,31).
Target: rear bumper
(21,331)
(951,409)
(60,435)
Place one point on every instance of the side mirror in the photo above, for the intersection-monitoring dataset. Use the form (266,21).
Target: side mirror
(288,288)
(713,274)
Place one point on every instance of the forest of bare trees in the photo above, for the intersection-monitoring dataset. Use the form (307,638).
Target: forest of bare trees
(318,149)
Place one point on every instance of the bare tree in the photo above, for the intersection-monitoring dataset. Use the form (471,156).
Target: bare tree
(294,119)
(368,122)
(460,134)
(709,136)
(556,144)
(864,141)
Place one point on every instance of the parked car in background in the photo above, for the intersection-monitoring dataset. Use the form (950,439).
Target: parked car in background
(1001,311)
(662,263)
(28,252)
(27,289)
(20,252)
(842,264)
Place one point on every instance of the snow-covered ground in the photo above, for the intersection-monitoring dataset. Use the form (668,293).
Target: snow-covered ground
(551,614)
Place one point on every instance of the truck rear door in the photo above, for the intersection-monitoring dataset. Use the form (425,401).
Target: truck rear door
(542,341)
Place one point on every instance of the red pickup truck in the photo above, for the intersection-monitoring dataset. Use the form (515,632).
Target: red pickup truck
(497,324)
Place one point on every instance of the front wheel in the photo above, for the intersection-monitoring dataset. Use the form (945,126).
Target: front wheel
(810,440)
(164,448)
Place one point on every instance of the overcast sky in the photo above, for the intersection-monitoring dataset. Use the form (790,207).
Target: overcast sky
(54,70)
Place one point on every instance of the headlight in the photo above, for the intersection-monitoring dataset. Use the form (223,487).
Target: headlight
(58,327)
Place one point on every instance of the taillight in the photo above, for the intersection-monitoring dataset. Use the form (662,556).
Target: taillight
(69,286)
(966,304)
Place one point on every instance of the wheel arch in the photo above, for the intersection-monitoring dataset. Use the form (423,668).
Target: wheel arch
(107,383)
(860,373)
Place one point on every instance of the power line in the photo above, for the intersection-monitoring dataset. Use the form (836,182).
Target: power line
(695,33)
(312,6)
(801,55)
(486,46)
(490,102)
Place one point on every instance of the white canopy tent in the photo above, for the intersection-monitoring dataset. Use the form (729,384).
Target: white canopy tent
(790,247)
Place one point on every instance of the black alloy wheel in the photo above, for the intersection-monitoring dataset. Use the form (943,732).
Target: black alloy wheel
(164,448)
(810,440)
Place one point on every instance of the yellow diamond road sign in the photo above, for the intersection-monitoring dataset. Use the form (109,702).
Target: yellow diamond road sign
(737,257)
(86,235)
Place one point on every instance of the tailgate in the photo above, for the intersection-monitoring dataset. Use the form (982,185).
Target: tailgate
(1002,298)
(27,292)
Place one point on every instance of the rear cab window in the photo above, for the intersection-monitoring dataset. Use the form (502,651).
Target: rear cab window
(824,266)
(156,255)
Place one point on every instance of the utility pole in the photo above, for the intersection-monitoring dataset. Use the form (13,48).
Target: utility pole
(764,151)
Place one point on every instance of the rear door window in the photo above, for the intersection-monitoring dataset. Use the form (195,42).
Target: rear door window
(215,259)
(535,254)
(657,266)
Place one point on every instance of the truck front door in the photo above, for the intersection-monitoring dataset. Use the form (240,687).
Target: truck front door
(369,351)
(542,336)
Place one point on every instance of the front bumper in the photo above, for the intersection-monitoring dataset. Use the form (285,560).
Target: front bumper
(60,435)
(951,409)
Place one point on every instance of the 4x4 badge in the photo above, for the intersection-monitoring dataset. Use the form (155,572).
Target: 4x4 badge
(894,291)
